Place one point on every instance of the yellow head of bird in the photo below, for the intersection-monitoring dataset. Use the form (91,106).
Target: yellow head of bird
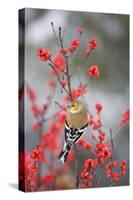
(77,116)
(76,106)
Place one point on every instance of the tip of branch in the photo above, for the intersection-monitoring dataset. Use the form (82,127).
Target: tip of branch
(52,23)
(59,28)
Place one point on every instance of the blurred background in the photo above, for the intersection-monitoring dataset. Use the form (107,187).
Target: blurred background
(112,56)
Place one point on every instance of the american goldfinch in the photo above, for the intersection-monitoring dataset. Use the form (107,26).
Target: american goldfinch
(75,125)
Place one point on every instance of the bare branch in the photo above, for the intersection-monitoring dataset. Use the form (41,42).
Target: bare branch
(58,78)
(56,38)
(57,66)
(68,80)
(111,139)
(60,38)
(59,105)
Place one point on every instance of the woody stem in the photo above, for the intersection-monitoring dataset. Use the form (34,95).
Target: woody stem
(76,166)
(68,80)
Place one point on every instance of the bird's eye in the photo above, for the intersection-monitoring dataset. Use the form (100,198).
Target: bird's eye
(73,105)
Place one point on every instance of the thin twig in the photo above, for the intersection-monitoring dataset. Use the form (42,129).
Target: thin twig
(59,105)
(116,132)
(53,29)
(68,80)
(60,38)
(76,166)
(58,78)
(85,61)
(111,139)
(87,83)
(53,64)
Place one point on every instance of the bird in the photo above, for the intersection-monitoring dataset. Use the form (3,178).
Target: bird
(75,126)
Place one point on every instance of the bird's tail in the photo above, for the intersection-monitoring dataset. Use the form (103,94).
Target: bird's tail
(63,156)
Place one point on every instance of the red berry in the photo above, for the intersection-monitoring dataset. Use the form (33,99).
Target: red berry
(64,82)
(93,43)
(87,52)
(43,54)
(93,71)
(80,30)
(99,107)
(82,175)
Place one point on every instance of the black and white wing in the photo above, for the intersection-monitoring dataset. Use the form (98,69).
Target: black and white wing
(72,135)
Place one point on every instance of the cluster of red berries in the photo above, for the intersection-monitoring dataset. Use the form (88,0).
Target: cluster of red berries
(59,64)
(28,170)
(75,93)
(47,179)
(50,140)
(74,44)
(37,110)
(44,55)
(85,145)
(92,46)
(123,165)
(102,152)
(125,118)
(87,175)
(115,175)
(95,124)
(37,154)
(31,93)
(93,71)
(99,107)
(63,51)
